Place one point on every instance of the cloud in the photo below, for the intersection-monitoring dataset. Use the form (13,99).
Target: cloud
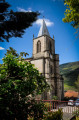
(23,10)
(47,21)
(1,48)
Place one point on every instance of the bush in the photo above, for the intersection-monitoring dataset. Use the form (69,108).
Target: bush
(55,98)
(37,115)
(77,118)
(30,118)
(47,106)
(76,113)
(54,115)
(18,80)
(37,111)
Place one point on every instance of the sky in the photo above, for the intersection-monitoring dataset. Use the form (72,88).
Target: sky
(66,44)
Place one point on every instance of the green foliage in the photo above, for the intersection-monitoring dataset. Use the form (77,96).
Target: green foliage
(70,73)
(13,24)
(55,98)
(72,12)
(54,115)
(18,80)
(77,118)
(14,52)
(37,111)
(30,118)
(76,113)
(77,84)
(23,53)
(47,106)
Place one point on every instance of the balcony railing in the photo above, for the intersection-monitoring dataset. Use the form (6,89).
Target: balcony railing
(54,105)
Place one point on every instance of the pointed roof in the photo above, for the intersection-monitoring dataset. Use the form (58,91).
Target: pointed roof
(43,29)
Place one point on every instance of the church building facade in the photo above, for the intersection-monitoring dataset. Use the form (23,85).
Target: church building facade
(47,62)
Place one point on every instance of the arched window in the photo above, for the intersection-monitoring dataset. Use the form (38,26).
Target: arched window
(38,46)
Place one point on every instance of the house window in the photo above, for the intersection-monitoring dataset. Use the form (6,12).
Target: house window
(38,46)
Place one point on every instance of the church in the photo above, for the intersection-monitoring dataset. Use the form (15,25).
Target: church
(47,62)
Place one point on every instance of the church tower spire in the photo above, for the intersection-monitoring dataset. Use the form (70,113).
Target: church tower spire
(47,62)
(43,29)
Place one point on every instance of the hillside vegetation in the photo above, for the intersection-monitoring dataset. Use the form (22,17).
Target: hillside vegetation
(70,73)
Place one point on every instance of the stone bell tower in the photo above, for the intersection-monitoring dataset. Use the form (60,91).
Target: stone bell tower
(47,62)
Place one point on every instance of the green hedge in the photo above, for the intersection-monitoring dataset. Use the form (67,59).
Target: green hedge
(38,115)
(58,115)
(47,106)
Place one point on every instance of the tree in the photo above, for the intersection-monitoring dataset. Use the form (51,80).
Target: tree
(72,12)
(18,80)
(14,52)
(13,24)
